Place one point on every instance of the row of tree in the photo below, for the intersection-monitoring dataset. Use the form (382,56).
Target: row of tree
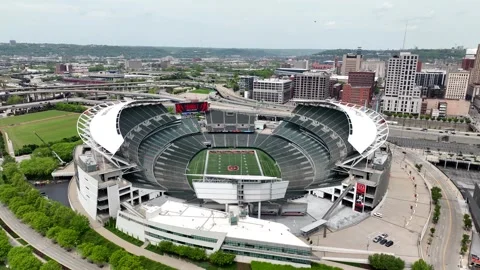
(427,117)
(389,262)
(65,227)
(70,107)
(22,257)
(219,257)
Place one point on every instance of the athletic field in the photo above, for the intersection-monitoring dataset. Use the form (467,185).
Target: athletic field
(50,125)
(233,162)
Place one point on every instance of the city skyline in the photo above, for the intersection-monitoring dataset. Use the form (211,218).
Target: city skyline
(247,24)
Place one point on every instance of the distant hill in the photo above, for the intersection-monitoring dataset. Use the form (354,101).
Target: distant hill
(424,54)
(142,52)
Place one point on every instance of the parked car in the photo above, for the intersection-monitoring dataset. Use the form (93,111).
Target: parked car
(379,215)
(377,239)
(384,235)
(389,243)
(424,129)
(383,242)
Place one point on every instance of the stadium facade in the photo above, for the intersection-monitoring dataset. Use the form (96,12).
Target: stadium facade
(195,182)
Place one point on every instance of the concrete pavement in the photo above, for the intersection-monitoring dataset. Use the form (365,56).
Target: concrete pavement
(139,251)
(69,259)
(10,149)
(444,251)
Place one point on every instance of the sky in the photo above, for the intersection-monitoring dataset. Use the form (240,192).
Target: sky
(275,24)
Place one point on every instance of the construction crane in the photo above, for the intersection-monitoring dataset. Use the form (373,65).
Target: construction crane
(53,152)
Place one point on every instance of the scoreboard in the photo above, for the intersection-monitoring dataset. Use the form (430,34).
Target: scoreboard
(191,107)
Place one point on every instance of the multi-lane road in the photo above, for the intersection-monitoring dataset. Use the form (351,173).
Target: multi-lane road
(444,251)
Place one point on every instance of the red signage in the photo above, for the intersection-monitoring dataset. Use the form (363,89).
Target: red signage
(361,188)
(191,107)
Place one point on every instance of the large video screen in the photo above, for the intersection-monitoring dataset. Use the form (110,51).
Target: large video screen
(191,107)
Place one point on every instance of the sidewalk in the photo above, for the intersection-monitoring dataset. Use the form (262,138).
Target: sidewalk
(172,262)
(43,244)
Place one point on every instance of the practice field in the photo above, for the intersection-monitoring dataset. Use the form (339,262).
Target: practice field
(50,125)
(233,162)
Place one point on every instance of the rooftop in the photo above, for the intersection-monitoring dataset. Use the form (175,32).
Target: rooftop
(273,80)
(193,217)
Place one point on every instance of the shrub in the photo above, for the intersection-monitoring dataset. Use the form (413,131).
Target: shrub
(386,262)
(221,258)
(67,238)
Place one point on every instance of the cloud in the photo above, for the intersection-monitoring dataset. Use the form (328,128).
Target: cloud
(330,24)
(384,7)
(424,16)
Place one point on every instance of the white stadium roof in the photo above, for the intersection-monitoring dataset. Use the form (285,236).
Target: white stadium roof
(103,127)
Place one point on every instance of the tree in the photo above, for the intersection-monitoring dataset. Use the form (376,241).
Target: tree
(421,265)
(41,223)
(386,262)
(85,249)
(5,246)
(117,256)
(129,262)
(51,265)
(221,258)
(7,192)
(22,258)
(63,216)
(99,254)
(436,194)
(12,100)
(79,223)
(53,232)
(38,167)
(67,238)
(467,222)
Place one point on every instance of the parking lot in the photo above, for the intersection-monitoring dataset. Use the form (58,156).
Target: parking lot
(402,224)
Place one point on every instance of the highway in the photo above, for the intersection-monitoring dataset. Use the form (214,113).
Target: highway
(444,251)
(434,134)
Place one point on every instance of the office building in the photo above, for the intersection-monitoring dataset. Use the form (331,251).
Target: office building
(272,90)
(351,62)
(63,68)
(457,85)
(430,78)
(401,95)
(296,64)
(133,64)
(360,95)
(468,62)
(245,83)
(312,85)
(376,66)
(475,71)
(361,78)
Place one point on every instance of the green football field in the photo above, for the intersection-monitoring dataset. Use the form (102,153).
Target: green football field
(50,125)
(233,162)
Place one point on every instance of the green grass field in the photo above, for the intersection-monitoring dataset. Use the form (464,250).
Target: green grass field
(50,125)
(229,162)
(201,91)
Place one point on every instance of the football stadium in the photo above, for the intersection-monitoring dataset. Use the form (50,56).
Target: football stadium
(215,179)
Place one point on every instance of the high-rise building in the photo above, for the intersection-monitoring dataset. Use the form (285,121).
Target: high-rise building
(272,90)
(430,78)
(63,68)
(475,71)
(457,85)
(401,95)
(312,85)
(351,62)
(468,62)
(377,66)
(298,64)
(13,42)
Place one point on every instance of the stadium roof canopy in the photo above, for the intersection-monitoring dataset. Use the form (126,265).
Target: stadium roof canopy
(368,129)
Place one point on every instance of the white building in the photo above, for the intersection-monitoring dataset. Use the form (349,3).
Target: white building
(231,231)
(298,63)
(457,85)
(272,90)
(401,95)
(133,64)
(376,66)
